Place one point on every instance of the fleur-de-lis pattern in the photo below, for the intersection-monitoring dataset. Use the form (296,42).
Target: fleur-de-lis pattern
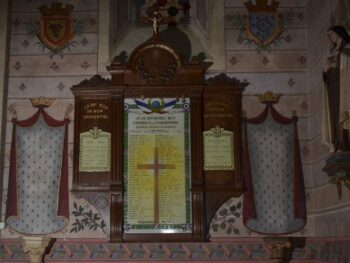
(39,154)
(271,159)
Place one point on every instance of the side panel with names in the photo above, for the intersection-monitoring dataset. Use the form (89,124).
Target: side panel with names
(218,149)
(94,142)
(95,154)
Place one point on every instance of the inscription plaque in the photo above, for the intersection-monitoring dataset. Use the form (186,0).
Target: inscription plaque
(157,166)
(95,146)
(218,149)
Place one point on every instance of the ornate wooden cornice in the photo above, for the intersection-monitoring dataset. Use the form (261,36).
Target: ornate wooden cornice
(223,79)
(95,81)
(168,62)
(120,60)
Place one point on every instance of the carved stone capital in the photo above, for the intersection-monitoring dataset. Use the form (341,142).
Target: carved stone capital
(35,247)
(338,168)
(281,248)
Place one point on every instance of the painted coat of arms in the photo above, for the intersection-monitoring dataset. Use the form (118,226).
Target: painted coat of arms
(56,28)
(263,25)
(262,22)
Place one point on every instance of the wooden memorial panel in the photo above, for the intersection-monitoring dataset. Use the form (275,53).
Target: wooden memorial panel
(174,144)
(160,156)
(222,111)
(93,140)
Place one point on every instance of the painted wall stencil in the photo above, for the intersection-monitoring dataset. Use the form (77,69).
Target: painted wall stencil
(86,218)
(262,25)
(38,202)
(56,28)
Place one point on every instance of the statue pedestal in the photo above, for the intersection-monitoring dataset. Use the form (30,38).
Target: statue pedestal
(338,168)
(282,247)
(35,247)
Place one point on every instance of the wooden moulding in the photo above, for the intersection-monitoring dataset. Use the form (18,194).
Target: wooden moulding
(209,189)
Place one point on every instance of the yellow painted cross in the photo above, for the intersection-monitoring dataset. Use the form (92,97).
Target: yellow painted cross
(156,167)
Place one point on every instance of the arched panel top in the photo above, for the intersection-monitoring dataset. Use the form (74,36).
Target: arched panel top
(155,62)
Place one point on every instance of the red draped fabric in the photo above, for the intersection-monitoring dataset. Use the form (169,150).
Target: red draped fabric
(249,211)
(63,199)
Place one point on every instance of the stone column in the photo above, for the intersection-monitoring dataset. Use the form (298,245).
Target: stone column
(103,36)
(4,46)
(35,247)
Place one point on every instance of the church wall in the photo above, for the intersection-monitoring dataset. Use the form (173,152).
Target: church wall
(283,70)
(36,71)
(300,80)
(318,46)
(329,213)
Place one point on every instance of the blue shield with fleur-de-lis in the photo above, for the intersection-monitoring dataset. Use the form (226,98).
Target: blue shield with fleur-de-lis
(263,28)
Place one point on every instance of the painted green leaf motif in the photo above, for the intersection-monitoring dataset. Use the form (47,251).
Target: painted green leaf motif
(223,212)
(226,218)
(86,219)
(223,225)
(231,220)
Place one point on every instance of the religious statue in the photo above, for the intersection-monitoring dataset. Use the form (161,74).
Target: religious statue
(155,20)
(336,77)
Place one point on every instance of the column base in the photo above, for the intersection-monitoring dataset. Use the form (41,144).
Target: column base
(36,247)
(338,168)
(282,247)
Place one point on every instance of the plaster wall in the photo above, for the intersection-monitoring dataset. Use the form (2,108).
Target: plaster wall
(285,69)
(294,69)
(329,213)
(35,71)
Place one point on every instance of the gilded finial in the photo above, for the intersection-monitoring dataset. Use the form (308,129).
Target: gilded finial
(269,97)
(41,102)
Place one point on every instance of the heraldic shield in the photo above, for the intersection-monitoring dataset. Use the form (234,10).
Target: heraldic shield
(56,26)
(263,22)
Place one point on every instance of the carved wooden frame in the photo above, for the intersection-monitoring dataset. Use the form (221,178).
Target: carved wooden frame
(209,189)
